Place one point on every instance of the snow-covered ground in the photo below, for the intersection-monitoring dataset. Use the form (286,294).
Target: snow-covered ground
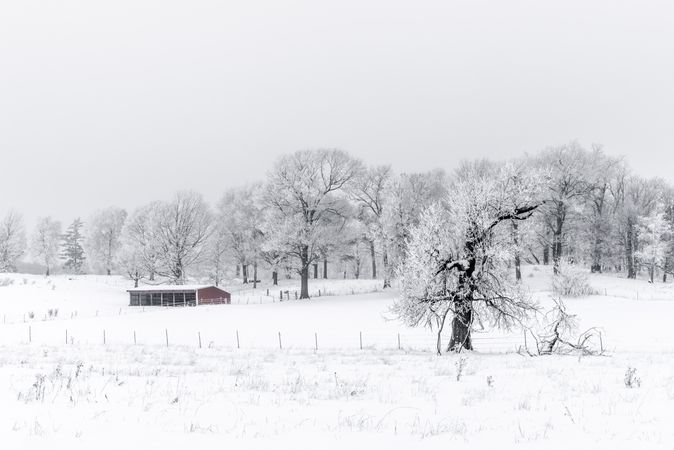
(81,393)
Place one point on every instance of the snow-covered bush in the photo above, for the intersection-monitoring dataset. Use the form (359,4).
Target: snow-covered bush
(571,280)
(631,379)
(6,282)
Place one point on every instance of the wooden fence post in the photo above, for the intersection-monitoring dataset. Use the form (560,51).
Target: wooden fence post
(104,336)
(360,334)
(30,334)
(199,339)
(280,346)
(237,339)
(66,336)
(316,341)
(166,332)
(398,341)
(134,337)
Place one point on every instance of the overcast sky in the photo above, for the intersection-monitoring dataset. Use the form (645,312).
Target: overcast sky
(122,102)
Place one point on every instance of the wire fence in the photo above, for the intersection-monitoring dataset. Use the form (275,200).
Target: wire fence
(405,340)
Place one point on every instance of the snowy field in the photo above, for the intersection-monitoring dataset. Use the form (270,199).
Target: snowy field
(273,387)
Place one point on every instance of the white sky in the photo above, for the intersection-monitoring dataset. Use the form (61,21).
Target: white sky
(122,102)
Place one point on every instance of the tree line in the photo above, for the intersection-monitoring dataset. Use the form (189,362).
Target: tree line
(321,208)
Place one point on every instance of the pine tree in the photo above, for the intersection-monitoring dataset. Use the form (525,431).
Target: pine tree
(72,251)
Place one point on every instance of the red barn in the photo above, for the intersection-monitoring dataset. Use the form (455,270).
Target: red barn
(178,295)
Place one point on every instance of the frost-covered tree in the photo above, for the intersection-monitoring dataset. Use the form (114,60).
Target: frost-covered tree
(455,264)
(45,242)
(240,214)
(655,234)
(12,241)
(407,196)
(183,227)
(72,251)
(140,253)
(103,237)
(369,190)
(568,186)
(218,253)
(131,261)
(306,194)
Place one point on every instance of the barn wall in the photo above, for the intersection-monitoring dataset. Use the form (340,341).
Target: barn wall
(213,295)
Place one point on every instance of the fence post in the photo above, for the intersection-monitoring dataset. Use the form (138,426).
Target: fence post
(199,339)
(104,336)
(316,340)
(295,295)
(398,341)
(360,334)
(267,292)
(237,339)
(280,346)
(66,336)
(166,332)
(280,294)
(134,337)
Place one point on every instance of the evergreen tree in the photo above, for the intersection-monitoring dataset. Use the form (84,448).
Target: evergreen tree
(72,251)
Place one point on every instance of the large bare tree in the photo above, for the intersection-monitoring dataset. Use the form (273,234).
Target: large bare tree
(456,262)
(12,241)
(46,241)
(305,194)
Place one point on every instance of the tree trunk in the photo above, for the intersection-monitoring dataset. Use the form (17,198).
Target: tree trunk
(461,327)
(546,255)
(325,268)
(109,271)
(557,237)
(47,274)
(516,241)
(629,249)
(254,275)
(244,269)
(274,276)
(304,274)
(135,282)
(387,278)
(238,270)
(315,271)
(373,256)
(651,272)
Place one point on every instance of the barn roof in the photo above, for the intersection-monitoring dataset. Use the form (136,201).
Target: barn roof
(172,287)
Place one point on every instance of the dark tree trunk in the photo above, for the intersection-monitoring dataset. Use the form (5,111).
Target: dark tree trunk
(557,237)
(373,256)
(254,275)
(462,321)
(387,277)
(238,270)
(516,241)
(325,268)
(629,249)
(651,272)
(109,271)
(461,327)
(304,273)
(546,255)
(47,273)
(315,271)
(244,269)
(152,275)
(274,277)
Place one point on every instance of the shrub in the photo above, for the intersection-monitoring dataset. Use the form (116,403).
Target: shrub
(571,280)
(631,379)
